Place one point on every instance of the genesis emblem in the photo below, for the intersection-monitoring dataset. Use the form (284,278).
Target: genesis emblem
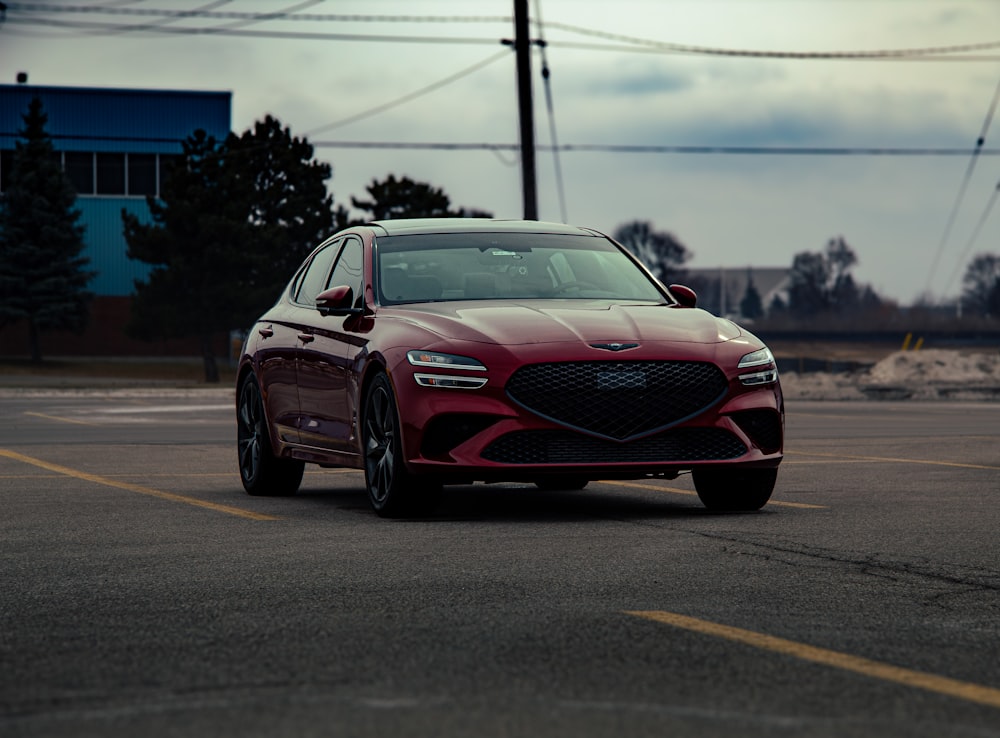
(614,346)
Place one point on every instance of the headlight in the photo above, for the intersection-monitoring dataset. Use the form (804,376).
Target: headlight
(756,358)
(446,361)
(761,357)
(443,361)
(449,381)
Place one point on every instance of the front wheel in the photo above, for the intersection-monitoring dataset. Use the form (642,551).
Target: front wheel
(392,490)
(735,489)
(261,471)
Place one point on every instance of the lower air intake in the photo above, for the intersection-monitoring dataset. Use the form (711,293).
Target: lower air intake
(566,447)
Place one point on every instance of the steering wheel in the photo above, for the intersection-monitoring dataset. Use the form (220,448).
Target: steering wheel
(575,286)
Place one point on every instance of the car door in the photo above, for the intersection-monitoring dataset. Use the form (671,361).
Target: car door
(302,317)
(324,362)
(277,350)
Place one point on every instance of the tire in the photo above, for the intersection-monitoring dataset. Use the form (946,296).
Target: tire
(262,473)
(567,482)
(736,490)
(392,491)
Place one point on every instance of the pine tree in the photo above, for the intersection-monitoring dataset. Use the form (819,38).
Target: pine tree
(290,208)
(43,276)
(233,221)
(405,198)
(195,248)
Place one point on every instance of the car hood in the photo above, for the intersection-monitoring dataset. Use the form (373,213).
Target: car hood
(509,323)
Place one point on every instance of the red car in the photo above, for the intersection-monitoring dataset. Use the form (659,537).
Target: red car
(451,351)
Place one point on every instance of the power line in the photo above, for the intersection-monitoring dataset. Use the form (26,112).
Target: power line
(166,20)
(288,14)
(242,33)
(657,149)
(573,148)
(928,58)
(714,51)
(552,116)
(963,187)
(972,238)
(959,52)
(411,96)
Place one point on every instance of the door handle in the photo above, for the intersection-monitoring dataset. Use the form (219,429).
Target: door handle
(266,332)
(306,337)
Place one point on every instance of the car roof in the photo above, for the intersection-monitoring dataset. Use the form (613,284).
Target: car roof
(473,225)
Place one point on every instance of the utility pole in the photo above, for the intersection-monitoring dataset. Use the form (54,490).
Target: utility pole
(522,49)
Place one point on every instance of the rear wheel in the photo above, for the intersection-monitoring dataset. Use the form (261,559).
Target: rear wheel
(734,489)
(392,490)
(261,471)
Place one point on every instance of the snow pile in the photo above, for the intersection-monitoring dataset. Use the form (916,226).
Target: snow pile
(937,365)
(933,374)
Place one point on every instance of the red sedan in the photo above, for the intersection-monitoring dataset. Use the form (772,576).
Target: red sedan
(446,351)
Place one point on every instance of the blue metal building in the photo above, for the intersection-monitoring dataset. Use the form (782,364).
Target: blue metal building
(113,144)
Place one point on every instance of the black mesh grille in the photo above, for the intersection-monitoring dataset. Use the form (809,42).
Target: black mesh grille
(762,426)
(445,432)
(566,447)
(618,399)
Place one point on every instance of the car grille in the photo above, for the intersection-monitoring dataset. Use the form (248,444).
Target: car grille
(618,399)
(566,447)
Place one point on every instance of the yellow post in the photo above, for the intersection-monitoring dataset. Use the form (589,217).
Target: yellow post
(918,344)
(906,341)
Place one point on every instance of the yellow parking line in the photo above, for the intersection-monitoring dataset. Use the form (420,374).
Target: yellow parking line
(95,479)
(177,475)
(56,417)
(789,462)
(678,491)
(893,460)
(922,680)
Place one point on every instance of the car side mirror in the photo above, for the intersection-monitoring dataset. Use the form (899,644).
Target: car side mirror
(685,296)
(337,301)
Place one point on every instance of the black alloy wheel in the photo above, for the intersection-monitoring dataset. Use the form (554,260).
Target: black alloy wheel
(735,489)
(392,490)
(262,473)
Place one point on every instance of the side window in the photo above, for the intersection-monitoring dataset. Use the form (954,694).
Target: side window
(314,280)
(350,269)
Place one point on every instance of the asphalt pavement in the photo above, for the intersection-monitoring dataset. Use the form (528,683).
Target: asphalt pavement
(146,594)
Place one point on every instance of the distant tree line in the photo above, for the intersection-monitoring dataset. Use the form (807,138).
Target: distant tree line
(235,217)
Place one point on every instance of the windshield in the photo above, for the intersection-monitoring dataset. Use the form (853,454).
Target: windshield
(506,266)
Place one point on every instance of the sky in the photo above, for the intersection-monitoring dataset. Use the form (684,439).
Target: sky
(671,76)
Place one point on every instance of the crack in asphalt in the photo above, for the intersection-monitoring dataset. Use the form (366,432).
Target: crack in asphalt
(973,578)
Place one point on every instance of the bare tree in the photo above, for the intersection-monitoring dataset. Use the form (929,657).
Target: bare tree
(981,285)
(658,250)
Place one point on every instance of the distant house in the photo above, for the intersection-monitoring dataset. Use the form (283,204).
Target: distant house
(115,145)
(721,289)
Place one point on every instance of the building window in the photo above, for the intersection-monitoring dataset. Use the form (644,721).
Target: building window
(136,175)
(6,165)
(110,174)
(142,174)
(79,166)
(168,162)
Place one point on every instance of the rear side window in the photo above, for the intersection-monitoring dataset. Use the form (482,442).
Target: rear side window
(350,269)
(314,280)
